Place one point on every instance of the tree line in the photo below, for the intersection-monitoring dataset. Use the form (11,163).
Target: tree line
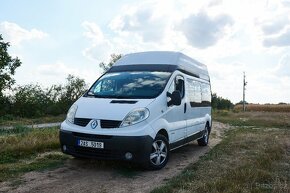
(32,100)
(220,103)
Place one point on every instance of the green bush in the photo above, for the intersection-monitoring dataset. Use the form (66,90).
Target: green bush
(34,101)
(5,104)
(221,103)
(30,101)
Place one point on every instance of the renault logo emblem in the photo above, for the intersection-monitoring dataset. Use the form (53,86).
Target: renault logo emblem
(94,124)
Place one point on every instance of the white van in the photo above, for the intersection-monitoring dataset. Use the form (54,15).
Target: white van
(146,105)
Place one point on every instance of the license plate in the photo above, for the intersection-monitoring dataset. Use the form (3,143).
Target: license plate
(92,144)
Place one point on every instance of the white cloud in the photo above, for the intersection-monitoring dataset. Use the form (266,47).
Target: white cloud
(275,25)
(280,40)
(203,31)
(285,3)
(145,20)
(98,52)
(93,32)
(156,25)
(215,3)
(100,48)
(16,35)
(57,72)
(226,79)
(268,86)
(283,69)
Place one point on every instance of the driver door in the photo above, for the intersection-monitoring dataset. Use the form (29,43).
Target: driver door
(176,116)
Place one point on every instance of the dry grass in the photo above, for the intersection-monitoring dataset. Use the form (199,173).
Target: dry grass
(264,108)
(20,150)
(16,121)
(260,119)
(248,160)
(25,142)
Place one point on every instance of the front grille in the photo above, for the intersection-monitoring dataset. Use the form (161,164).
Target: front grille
(81,121)
(104,123)
(110,123)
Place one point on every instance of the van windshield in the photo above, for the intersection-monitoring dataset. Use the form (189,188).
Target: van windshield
(143,84)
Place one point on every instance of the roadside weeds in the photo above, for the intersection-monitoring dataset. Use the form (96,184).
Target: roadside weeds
(247,160)
(25,149)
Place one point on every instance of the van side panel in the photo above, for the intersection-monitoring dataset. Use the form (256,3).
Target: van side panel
(187,121)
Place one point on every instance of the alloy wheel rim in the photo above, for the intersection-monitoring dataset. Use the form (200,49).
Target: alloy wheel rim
(206,135)
(159,152)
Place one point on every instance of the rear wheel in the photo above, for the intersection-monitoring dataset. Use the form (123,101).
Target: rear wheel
(204,140)
(159,153)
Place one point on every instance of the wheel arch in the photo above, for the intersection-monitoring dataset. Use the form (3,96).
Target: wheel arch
(207,124)
(164,133)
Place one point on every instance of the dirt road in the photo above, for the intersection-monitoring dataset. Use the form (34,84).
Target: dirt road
(95,176)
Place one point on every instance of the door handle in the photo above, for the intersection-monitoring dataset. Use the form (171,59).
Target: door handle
(184,107)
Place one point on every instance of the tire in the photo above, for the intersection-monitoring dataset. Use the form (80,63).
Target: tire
(159,154)
(204,140)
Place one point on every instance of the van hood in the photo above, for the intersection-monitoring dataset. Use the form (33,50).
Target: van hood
(108,109)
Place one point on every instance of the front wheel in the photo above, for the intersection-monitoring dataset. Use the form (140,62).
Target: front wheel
(204,140)
(159,153)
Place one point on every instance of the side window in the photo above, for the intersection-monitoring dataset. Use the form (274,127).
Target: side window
(194,92)
(172,87)
(180,85)
(197,92)
(177,84)
(206,94)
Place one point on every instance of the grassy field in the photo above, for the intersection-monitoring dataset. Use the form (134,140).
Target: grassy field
(264,108)
(257,119)
(253,156)
(24,149)
(249,159)
(16,121)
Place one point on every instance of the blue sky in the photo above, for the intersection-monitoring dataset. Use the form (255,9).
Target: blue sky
(57,38)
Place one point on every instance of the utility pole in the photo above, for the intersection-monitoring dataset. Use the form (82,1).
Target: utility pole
(244,92)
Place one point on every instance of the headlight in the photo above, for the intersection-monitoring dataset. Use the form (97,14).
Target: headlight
(135,116)
(71,113)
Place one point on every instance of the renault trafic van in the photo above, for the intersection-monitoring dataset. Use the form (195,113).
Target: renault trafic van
(144,106)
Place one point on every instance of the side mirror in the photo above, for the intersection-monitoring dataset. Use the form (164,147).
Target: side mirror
(175,98)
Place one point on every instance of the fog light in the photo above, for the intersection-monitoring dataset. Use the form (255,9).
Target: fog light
(64,148)
(128,156)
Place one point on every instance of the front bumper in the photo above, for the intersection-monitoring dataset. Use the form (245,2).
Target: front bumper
(115,147)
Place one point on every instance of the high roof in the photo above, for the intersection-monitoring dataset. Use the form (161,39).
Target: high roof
(178,59)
